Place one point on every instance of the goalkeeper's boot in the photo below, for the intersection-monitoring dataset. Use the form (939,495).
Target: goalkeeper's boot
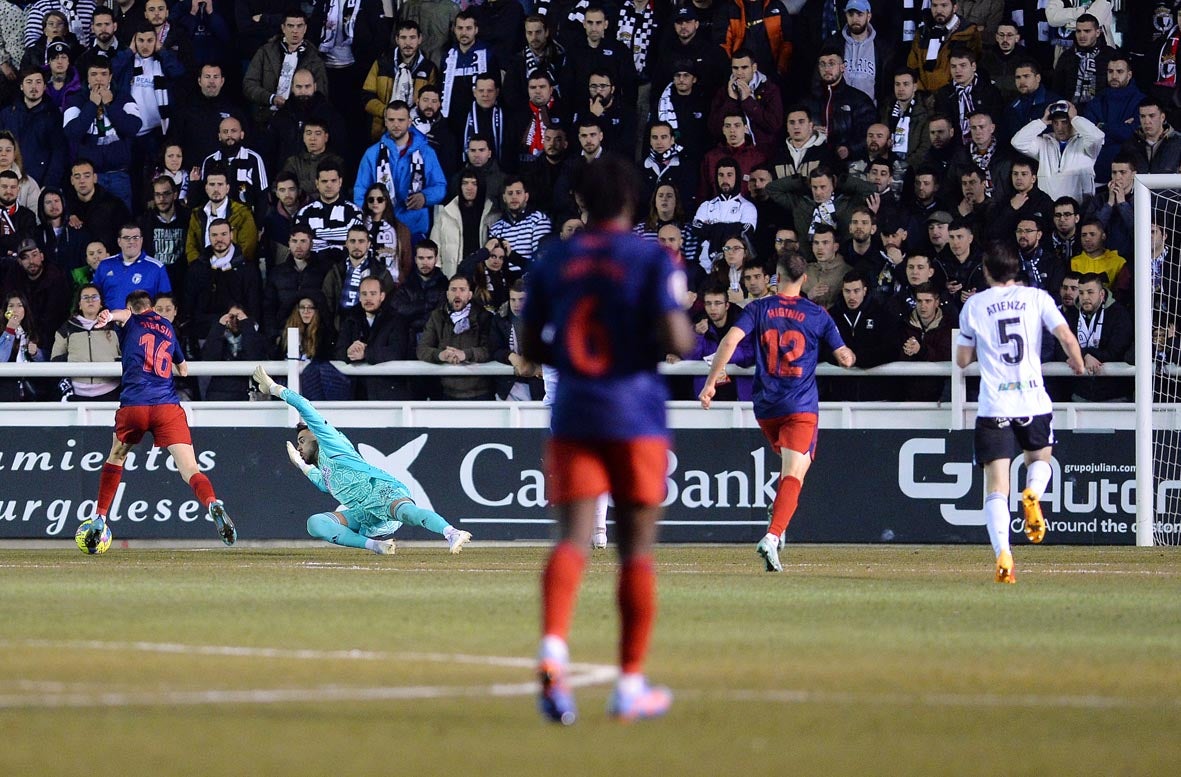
(95,533)
(556,702)
(650,702)
(768,548)
(385,548)
(1035,524)
(457,540)
(225,527)
(1004,568)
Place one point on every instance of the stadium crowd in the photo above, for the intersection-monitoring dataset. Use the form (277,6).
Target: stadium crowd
(380,176)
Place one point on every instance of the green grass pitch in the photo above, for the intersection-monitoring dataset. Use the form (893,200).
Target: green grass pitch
(881,660)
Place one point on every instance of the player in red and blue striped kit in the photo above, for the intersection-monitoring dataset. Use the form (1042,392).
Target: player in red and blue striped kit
(788,330)
(605,308)
(149,403)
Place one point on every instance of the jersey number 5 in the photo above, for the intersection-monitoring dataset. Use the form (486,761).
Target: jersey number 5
(157,360)
(783,348)
(1005,336)
(588,344)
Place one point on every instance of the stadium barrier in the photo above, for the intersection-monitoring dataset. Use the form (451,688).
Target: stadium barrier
(886,472)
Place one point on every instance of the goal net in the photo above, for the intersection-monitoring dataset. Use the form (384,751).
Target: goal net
(1157,214)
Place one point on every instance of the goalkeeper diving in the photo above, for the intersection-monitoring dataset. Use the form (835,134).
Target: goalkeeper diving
(375,503)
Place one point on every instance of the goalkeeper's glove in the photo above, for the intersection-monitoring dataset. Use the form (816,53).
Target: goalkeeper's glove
(296,459)
(265,384)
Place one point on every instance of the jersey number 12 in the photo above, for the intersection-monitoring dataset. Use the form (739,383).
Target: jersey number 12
(783,348)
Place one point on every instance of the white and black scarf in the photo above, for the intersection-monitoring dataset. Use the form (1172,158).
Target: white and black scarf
(496,132)
(661,163)
(287,71)
(1084,85)
(159,85)
(417,170)
(460,319)
(967,104)
(664,108)
(900,128)
(465,75)
(634,30)
(350,288)
(934,36)
(1089,332)
(1035,27)
(384,173)
(348,21)
(824,213)
(404,79)
(419,123)
(983,161)
(578,12)
(912,12)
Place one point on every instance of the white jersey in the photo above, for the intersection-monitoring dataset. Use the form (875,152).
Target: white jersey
(1005,325)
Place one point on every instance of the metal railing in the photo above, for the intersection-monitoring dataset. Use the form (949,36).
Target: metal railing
(958,407)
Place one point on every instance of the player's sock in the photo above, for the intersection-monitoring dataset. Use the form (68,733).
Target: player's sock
(554,649)
(787,498)
(601,514)
(559,588)
(108,484)
(202,488)
(413,515)
(324,526)
(1037,477)
(637,611)
(630,684)
(996,518)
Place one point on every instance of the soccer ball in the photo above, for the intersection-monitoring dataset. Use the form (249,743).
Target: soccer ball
(104,539)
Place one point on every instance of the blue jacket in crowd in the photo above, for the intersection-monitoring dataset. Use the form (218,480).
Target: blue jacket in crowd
(434,185)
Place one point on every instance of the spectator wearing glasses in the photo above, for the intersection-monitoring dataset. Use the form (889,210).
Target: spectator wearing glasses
(77,340)
(389,237)
(130,269)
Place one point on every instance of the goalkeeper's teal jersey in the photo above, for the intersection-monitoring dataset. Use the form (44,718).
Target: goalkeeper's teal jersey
(362,488)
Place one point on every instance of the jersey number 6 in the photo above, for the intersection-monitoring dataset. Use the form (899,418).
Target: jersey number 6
(783,348)
(156,359)
(588,344)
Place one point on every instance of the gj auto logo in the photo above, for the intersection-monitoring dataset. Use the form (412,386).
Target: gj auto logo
(1093,491)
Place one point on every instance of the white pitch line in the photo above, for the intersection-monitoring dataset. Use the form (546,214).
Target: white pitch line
(581,675)
(980,700)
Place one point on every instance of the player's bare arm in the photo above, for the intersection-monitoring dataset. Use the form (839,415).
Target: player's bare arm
(964,355)
(120,317)
(676,333)
(845,356)
(725,351)
(1069,343)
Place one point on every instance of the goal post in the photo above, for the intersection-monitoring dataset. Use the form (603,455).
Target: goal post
(1157,200)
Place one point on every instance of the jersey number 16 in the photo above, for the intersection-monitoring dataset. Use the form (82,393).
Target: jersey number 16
(157,360)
